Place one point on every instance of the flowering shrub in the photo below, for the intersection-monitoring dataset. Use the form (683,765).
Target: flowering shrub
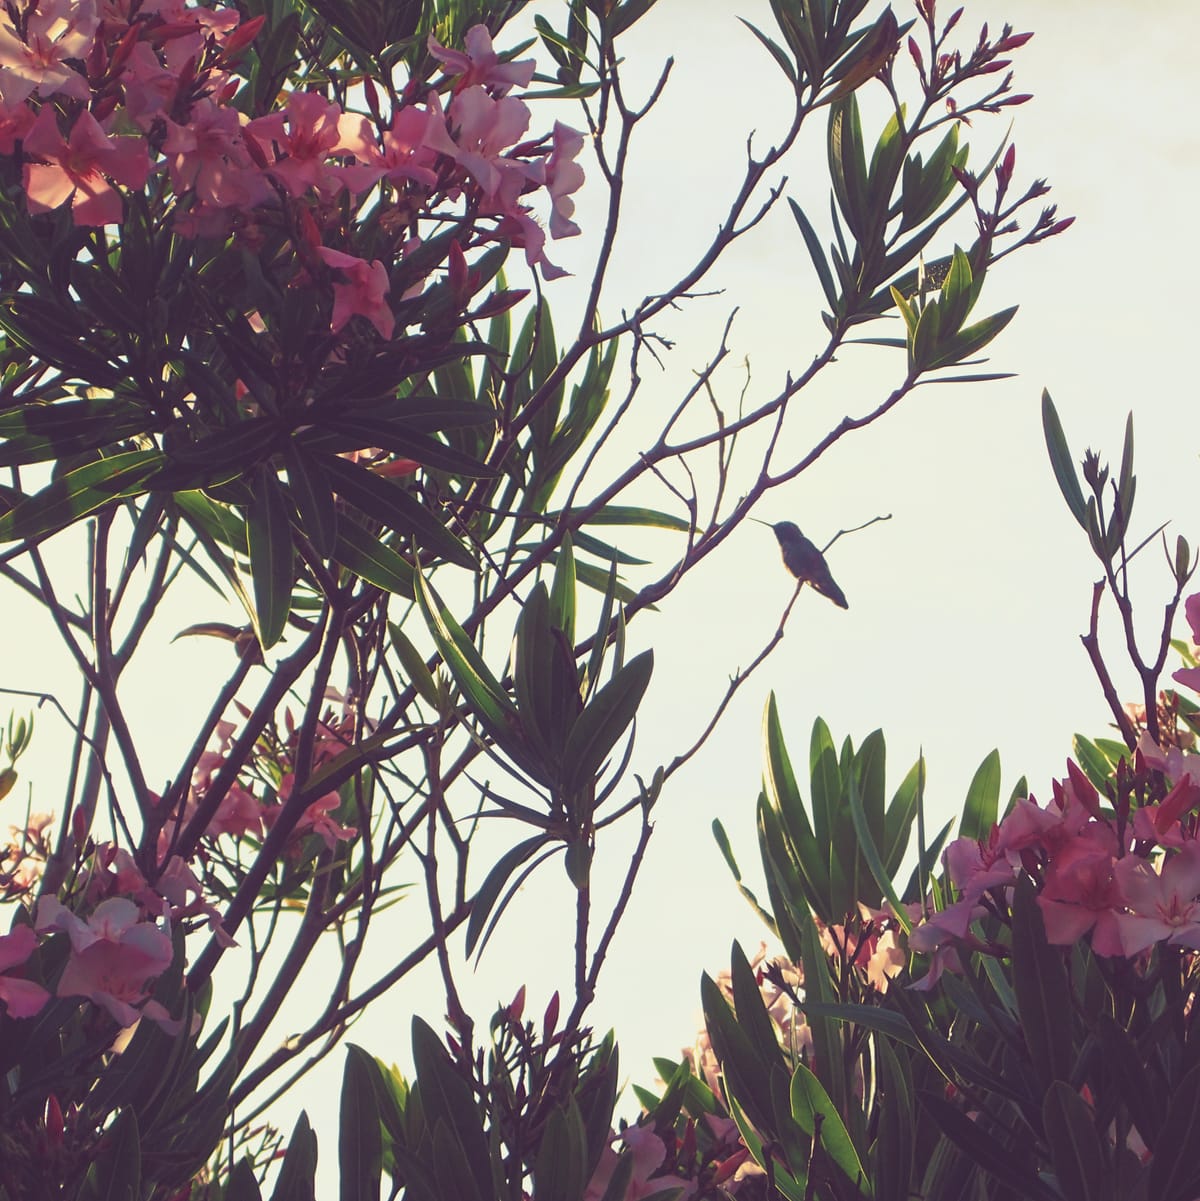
(1036,1038)
(255,328)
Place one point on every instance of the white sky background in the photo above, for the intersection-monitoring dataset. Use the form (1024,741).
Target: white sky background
(965,609)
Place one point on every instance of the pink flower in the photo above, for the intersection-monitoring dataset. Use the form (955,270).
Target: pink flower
(209,157)
(114,956)
(363,293)
(411,146)
(563,176)
(81,168)
(1081,893)
(1162,905)
(317,818)
(21,998)
(648,1152)
(305,136)
(480,64)
(15,122)
(483,128)
(940,936)
(56,30)
(975,865)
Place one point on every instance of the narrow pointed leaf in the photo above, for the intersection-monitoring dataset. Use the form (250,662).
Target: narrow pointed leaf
(604,720)
(489,890)
(810,1105)
(269,545)
(812,242)
(360,1145)
(983,800)
(483,691)
(79,493)
(364,554)
(1075,1149)
(1043,996)
(390,503)
(297,1176)
(308,486)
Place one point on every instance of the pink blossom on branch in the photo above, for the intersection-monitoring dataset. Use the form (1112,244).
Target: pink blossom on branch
(1082,893)
(362,292)
(81,169)
(564,176)
(209,157)
(1162,905)
(114,956)
(299,141)
(21,998)
(15,122)
(55,31)
(478,63)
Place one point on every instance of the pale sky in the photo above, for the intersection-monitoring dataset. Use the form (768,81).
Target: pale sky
(966,608)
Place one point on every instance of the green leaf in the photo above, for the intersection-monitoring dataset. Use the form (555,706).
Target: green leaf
(972,339)
(413,663)
(309,488)
(562,593)
(815,253)
(848,165)
(624,515)
(1040,983)
(1175,1170)
(811,1107)
(604,720)
(36,432)
(752,1014)
(561,1167)
(871,771)
(783,794)
(745,1077)
(828,1044)
(983,1149)
(983,800)
(115,1174)
(269,545)
(448,1101)
(869,1017)
(243,1185)
(600,640)
(478,928)
(391,504)
(360,1145)
(297,1176)
(1061,460)
(1143,1098)
(870,853)
(544,681)
(892,1156)
(787,890)
(79,493)
(899,819)
(370,559)
(1075,1148)
(775,50)
(484,693)
(722,840)
(344,433)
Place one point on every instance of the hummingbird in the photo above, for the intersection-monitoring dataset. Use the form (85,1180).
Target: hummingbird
(805,562)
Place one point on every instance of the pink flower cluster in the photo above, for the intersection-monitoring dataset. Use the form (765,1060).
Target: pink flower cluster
(123,943)
(1127,879)
(240,814)
(97,96)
